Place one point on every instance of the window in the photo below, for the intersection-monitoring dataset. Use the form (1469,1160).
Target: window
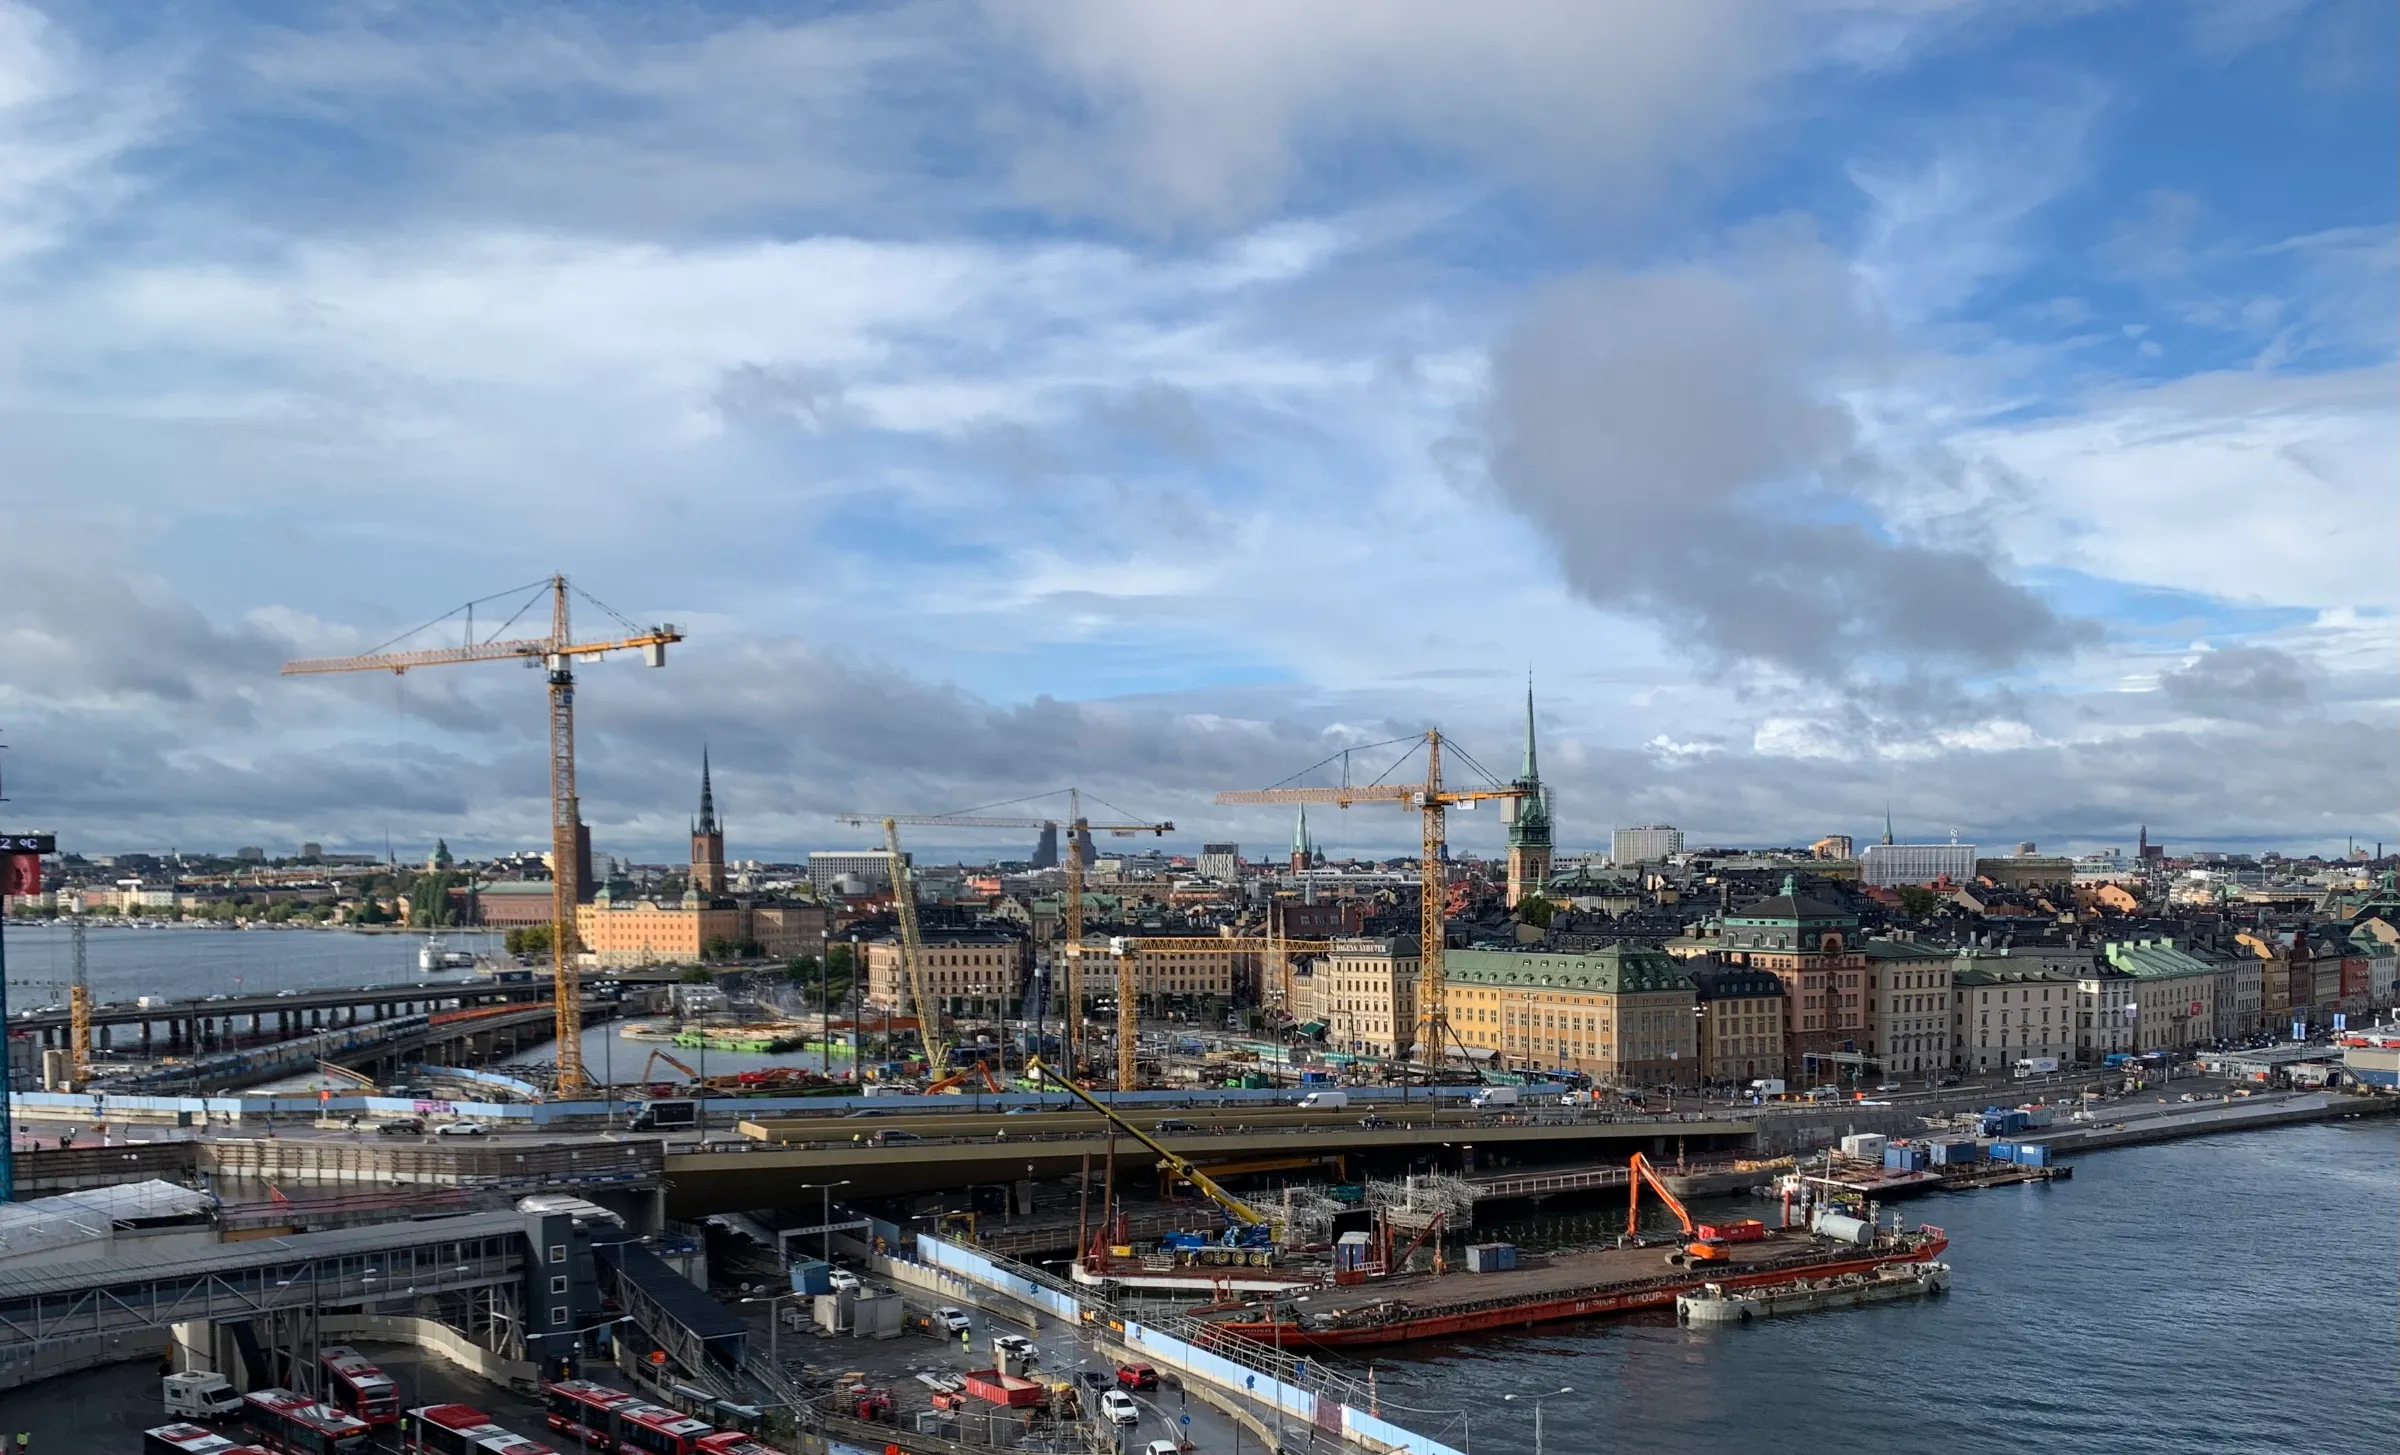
(559,1284)
(558,1252)
(558,1316)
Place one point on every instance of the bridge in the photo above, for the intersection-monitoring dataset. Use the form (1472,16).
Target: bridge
(735,1177)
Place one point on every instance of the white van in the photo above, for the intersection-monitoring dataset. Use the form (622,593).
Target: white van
(1494,1096)
(199,1396)
(1326,1100)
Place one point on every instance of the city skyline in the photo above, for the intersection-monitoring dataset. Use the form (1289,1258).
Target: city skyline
(1980,412)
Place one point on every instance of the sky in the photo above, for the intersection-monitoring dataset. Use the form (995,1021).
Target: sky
(1980,410)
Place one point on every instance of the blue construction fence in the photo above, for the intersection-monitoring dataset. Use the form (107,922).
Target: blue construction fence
(1297,1402)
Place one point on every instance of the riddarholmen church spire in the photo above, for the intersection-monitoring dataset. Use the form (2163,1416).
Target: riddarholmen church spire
(708,840)
(708,799)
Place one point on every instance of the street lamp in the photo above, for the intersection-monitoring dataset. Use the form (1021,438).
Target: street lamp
(1537,1410)
(825,1230)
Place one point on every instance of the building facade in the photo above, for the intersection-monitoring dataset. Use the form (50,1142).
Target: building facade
(1621,1014)
(972,972)
(1908,993)
(2000,1016)
(1221,862)
(1808,945)
(2174,994)
(1740,1015)
(1648,844)
(1887,866)
(1366,995)
(870,867)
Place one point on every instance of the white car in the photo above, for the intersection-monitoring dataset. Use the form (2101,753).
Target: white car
(1162,1447)
(462,1129)
(1119,1407)
(953,1320)
(1015,1345)
(842,1280)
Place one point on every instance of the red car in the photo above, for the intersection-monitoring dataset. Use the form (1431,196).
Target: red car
(1136,1376)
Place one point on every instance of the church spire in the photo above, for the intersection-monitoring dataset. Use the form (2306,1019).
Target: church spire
(1300,831)
(708,799)
(1533,772)
(1887,823)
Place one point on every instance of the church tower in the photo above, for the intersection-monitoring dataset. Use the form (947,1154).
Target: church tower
(708,840)
(1528,823)
(1303,852)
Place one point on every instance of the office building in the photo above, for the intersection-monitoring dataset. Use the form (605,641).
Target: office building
(1648,844)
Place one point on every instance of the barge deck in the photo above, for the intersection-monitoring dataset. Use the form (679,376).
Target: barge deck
(1587,1284)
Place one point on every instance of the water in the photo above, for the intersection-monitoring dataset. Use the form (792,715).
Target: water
(2225,1294)
(186,962)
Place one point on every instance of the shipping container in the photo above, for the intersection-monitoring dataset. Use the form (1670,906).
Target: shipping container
(1491,1257)
(2033,1154)
(811,1275)
(1867,1146)
(1747,1230)
(2002,1152)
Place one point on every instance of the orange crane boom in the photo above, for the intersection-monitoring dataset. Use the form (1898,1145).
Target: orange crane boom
(1433,799)
(557,653)
(1640,1171)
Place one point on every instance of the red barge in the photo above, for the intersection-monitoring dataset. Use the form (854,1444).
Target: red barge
(1567,1286)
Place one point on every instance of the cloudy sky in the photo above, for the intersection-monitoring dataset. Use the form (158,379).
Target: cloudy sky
(1983,408)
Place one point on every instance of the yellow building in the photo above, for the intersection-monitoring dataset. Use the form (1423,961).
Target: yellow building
(646,932)
(1740,1013)
(1365,993)
(974,972)
(1621,1014)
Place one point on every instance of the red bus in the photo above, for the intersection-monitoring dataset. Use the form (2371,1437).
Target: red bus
(734,1442)
(192,1440)
(615,1420)
(298,1425)
(457,1429)
(359,1387)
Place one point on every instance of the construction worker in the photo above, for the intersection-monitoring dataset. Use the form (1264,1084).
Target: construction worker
(24,1442)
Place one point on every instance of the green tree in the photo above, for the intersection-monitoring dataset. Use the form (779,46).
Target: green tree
(1919,901)
(527,940)
(1536,911)
(802,969)
(699,975)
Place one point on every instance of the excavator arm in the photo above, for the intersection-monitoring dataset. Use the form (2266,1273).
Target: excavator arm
(1236,1209)
(1640,1172)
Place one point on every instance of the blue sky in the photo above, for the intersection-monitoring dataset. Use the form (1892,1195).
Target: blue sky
(1980,407)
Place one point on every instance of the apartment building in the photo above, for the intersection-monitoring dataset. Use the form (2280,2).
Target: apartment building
(1740,1014)
(1807,944)
(1908,1012)
(972,972)
(2174,994)
(1365,993)
(2000,1016)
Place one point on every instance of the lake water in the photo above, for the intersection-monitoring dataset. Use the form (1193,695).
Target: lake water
(2225,1294)
(189,961)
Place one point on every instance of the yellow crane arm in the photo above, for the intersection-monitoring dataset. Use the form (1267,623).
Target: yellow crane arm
(972,821)
(1240,1211)
(653,642)
(912,956)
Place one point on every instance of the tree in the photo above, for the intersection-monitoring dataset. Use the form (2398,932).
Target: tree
(527,940)
(801,969)
(1919,901)
(1536,911)
(698,975)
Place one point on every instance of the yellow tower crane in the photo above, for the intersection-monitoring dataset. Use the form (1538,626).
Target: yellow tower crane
(555,654)
(1433,799)
(1079,838)
(1128,949)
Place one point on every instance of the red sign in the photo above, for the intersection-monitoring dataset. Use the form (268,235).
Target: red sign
(20,873)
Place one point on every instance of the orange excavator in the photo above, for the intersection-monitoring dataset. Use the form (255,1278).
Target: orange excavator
(1696,1249)
(964,1074)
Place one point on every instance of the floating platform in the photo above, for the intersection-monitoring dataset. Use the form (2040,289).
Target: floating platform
(1714,1303)
(1589,1284)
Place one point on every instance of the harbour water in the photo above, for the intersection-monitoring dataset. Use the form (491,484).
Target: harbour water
(184,961)
(2225,1294)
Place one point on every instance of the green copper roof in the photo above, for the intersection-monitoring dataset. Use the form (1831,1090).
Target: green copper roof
(1610,970)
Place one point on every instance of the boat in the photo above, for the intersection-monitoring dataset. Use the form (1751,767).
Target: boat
(1596,1283)
(1714,1303)
(433,957)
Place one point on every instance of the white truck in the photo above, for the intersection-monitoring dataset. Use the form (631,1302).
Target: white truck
(1493,1097)
(2037,1066)
(1325,1101)
(1767,1086)
(199,1396)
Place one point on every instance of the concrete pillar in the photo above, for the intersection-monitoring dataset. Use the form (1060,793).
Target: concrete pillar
(145,1038)
(1023,1190)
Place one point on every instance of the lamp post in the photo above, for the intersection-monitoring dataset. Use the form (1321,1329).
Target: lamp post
(1537,1410)
(825,1220)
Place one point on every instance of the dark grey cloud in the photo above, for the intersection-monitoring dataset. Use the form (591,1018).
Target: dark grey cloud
(1679,436)
(2254,684)
(802,394)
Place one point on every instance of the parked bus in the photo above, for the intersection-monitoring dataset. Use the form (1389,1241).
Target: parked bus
(734,1442)
(297,1425)
(615,1420)
(193,1440)
(357,1386)
(457,1429)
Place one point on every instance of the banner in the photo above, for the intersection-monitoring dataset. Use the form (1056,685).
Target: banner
(20,874)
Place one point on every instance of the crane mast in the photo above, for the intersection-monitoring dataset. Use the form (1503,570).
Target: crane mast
(1433,799)
(1240,1211)
(912,956)
(556,653)
(79,1005)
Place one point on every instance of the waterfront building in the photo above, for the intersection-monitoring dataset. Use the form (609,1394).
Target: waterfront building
(619,933)
(1529,833)
(972,972)
(1621,1014)
(1888,866)
(1908,1005)
(1651,843)
(1740,1031)
(1808,945)
(2001,1015)
(2174,994)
